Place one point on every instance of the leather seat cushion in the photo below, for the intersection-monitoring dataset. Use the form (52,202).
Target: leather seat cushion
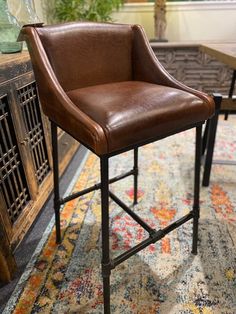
(132,112)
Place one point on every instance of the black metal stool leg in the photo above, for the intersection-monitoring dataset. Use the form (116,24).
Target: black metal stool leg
(106,264)
(198,153)
(56,181)
(211,141)
(135,201)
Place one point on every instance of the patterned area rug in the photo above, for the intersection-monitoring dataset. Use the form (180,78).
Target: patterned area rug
(163,278)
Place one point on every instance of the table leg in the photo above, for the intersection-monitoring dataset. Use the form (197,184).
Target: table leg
(205,137)
(210,142)
(231,90)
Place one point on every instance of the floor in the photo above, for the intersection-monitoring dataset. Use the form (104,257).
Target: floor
(26,248)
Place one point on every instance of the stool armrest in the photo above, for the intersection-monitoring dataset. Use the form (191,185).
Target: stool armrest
(147,67)
(55,103)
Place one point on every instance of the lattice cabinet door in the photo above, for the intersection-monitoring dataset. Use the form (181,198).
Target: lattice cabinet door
(29,106)
(14,188)
(25,166)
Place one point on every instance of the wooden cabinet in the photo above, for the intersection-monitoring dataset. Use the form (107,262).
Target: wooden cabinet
(25,155)
(185,62)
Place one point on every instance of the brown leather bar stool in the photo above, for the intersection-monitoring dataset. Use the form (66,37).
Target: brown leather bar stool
(102,84)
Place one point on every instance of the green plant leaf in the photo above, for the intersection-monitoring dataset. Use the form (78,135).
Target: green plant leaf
(81,10)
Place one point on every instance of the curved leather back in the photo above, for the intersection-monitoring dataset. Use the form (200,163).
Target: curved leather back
(85,54)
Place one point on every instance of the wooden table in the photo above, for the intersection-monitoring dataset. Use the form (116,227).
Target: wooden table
(225,53)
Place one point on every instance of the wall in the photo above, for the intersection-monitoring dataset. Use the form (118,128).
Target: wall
(187,21)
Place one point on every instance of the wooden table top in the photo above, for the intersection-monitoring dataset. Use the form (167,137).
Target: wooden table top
(14,64)
(224,52)
(14,57)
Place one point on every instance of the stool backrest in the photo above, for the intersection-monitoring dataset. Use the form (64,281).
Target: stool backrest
(85,54)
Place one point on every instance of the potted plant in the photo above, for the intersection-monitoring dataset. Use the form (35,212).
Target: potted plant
(84,10)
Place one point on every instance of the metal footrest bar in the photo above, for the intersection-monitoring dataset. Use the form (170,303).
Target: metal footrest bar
(95,187)
(152,239)
(142,223)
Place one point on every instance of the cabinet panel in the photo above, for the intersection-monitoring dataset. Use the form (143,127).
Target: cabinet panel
(194,68)
(12,177)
